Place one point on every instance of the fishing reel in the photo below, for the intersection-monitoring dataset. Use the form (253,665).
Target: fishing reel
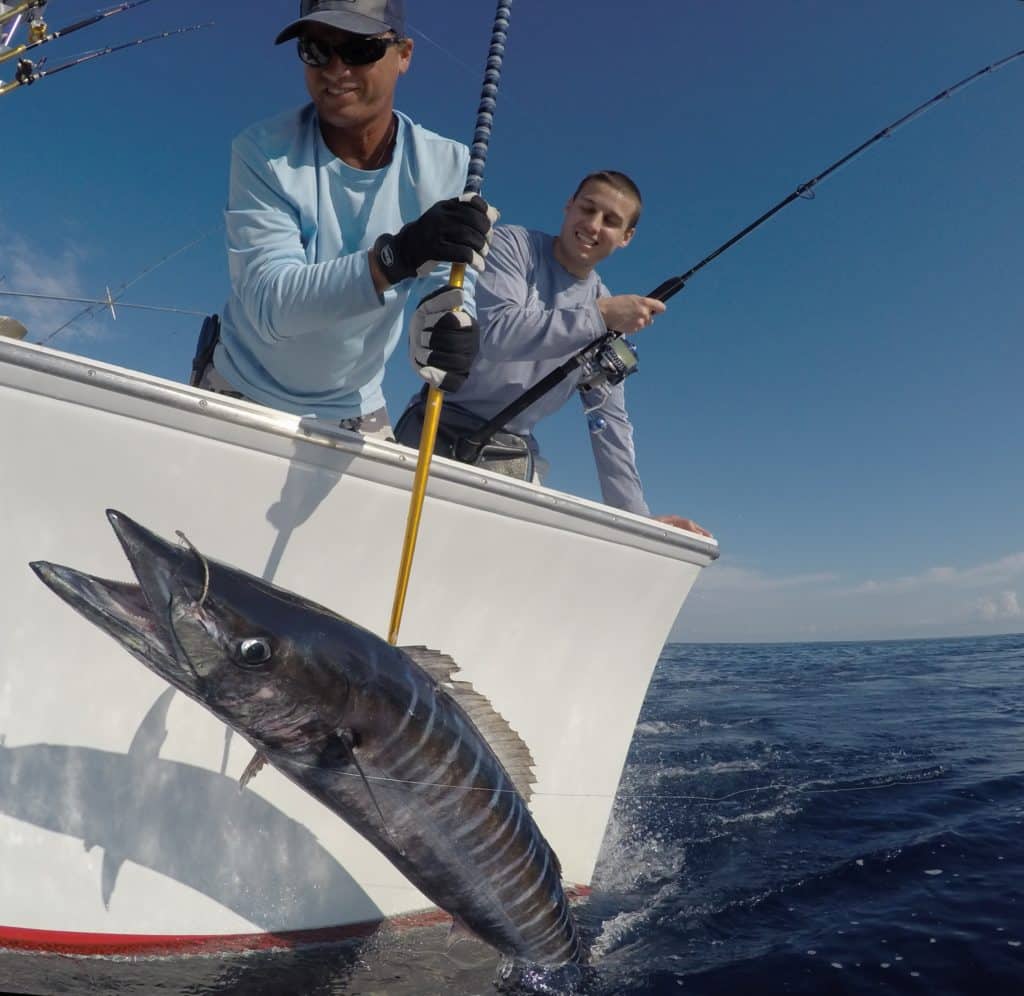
(608,362)
(25,72)
(37,25)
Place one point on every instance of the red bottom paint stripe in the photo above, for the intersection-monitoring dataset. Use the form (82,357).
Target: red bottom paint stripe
(83,943)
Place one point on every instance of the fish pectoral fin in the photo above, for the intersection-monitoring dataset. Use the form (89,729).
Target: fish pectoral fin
(346,740)
(251,769)
(507,745)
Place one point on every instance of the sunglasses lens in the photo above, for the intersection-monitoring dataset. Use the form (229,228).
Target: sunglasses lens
(362,51)
(353,52)
(314,53)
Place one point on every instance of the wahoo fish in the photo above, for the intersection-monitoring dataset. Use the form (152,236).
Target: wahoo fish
(412,758)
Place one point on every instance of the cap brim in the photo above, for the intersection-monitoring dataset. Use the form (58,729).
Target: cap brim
(342,20)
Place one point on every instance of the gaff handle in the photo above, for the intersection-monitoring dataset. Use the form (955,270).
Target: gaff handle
(435,398)
(428,436)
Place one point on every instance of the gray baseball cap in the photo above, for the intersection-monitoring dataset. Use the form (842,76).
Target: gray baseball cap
(361,17)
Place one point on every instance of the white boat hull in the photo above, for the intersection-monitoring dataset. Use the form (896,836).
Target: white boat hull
(120,815)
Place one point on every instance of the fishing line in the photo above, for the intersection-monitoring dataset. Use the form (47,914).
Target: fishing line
(808,788)
(438,45)
(473,444)
(345,738)
(805,190)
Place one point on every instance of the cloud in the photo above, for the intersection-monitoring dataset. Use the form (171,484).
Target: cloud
(726,578)
(29,270)
(1002,606)
(740,604)
(1000,571)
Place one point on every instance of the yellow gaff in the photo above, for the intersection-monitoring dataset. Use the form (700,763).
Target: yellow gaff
(435,398)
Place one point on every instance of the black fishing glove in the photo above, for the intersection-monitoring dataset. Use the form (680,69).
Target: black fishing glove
(443,340)
(457,230)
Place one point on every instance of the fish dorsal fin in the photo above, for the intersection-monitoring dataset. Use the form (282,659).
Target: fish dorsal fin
(439,666)
(514,755)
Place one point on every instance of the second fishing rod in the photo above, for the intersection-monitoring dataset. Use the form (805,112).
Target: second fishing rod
(611,358)
(41,35)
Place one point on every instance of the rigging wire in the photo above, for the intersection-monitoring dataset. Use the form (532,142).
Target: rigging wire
(103,302)
(806,189)
(673,285)
(112,298)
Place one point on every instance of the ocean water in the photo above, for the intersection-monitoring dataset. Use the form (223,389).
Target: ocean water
(842,818)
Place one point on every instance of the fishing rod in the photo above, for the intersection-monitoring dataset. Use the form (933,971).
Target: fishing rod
(27,73)
(610,358)
(435,397)
(42,39)
(10,20)
(19,9)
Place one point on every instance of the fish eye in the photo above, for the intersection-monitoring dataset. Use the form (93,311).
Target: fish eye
(254,651)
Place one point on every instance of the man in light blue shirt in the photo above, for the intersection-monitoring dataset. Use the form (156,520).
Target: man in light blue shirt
(540,302)
(337,215)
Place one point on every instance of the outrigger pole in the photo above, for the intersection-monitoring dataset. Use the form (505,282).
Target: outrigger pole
(468,449)
(435,397)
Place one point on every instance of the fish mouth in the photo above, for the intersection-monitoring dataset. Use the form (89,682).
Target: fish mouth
(137,616)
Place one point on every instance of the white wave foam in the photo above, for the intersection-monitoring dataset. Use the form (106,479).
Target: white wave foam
(784,809)
(631,855)
(619,929)
(654,727)
(714,768)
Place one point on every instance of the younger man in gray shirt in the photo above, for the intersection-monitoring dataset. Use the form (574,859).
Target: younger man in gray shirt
(539,301)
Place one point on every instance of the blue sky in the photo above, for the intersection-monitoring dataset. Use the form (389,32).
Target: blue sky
(837,398)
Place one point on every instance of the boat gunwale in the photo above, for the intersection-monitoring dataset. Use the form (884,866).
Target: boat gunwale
(126,382)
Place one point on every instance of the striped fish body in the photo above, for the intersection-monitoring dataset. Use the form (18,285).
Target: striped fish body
(441,805)
(412,758)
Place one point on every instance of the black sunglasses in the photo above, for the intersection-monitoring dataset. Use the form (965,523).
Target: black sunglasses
(355,51)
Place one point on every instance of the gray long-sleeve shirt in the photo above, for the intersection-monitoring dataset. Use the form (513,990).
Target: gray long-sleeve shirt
(534,315)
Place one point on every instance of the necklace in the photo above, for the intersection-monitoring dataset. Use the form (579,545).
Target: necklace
(384,149)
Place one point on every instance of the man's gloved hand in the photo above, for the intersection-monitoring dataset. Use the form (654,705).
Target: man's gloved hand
(457,230)
(443,341)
